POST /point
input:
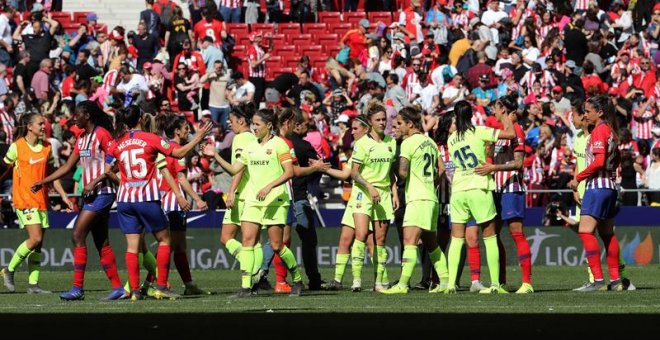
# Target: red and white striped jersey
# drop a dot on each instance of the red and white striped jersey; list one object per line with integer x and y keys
{"x": 92, "y": 149}
{"x": 193, "y": 173}
{"x": 230, "y": 3}
{"x": 581, "y": 5}
{"x": 255, "y": 53}
{"x": 546, "y": 80}
{"x": 136, "y": 153}
{"x": 504, "y": 152}
{"x": 110, "y": 79}
{"x": 410, "y": 80}
{"x": 644, "y": 124}
{"x": 461, "y": 20}
{"x": 478, "y": 118}
{"x": 601, "y": 140}
{"x": 8, "y": 123}
{"x": 617, "y": 67}
{"x": 174, "y": 167}
{"x": 631, "y": 147}
{"x": 535, "y": 174}
{"x": 545, "y": 29}
{"x": 444, "y": 189}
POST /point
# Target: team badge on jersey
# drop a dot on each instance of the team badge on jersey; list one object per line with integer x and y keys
{"x": 269, "y": 151}
{"x": 164, "y": 144}
{"x": 389, "y": 148}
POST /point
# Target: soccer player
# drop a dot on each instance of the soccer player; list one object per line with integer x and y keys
{"x": 374, "y": 196}
{"x": 31, "y": 158}
{"x": 269, "y": 163}
{"x": 174, "y": 202}
{"x": 599, "y": 202}
{"x": 508, "y": 158}
{"x": 419, "y": 167}
{"x": 138, "y": 197}
{"x": 91, "y": 149}
{"x": 471, "y": 194}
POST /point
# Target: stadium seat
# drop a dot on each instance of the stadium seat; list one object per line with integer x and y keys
{"x": 80, "y": 17}
{"x": 304, "y": 49}
{"x": 341, "y": 29}
{"x": 233, "y": 28}
{"x": 279, "y": 39}
{"x": 64, "y": 18}
{"x": 327, "y": 39}
{"x": 385, "y": 17}
{"x": 274, "y": 62}
{"x": 300, "y": 39}
{"x": 102, "y": 28}
{"x": 240, "y": 49}
{"x": 354, "y": 17}
{"x": 265, "y": 28}
{"x": 284, "y": 48}
{"x": 315, "y": 29}
{"x": 319, "y": 63}
{"x": 288, "y": 28}
{"x": 330, "y": 18}
{"x": 70, "y": 28}
{"x": 242, "y": 39}
{"x": 281, "y": 70}
{"x": 286, "y": 55}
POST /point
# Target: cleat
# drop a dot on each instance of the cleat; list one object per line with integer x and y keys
{"x": 439, "y": 289}
{"x": 282, "y": 288}
{"x": 242, "y": 293}
{"x": 116, "y": 294}
{"x": 525, "y": 288}
{"x": 75, "y": 294}
{"x": 35, "y": 289}
{"x": 396, "y": 289}
{"x": 379, "y": 288}
{"x": 616, "y": 286}
{"x": 357, "y": 286}
{"x": 627, "y": 285}
{"x": 296, "y": 289}
{"x": 583, "y": 287}
{"x": 165, "y": 293}
{"x": 334, "y": 285}
{"x": 592, "y": 287}
{"x": 423, "y": 285}
{"x": 260, "y": 281}
{"x": 9, "y": 279}
{"x": 450, "y": 290}
{"x": 476, "y": 287}
{"x": 495, "y": 289}
{"x": 320, "y": 285}
{"x": 137, "y": 295}
{"x": 192, "y": 289}
{"x": 263, "y": 284}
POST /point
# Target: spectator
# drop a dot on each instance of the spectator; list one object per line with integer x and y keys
{"x": 475, "y": 72}
{"x": 209, "y": 27}
{"x": 294, "y": 96}
{"x": 36, "y": 44}
{"x": 242, "y": 91}
{"x": 146, "y": 44}
{"x": 190, "y": 58}
{"x": 150, "y": 18}
{"x": 218, "y": 79}
{"x": 257, "y": 56}
{"x": 131, "y": 86}
{"x": 40, "y": 81}
{"x": 183, "y": 88}
{"x": 653, "y": 178}
{"x": 6, "y": 40}
{"x": 230, "y": 10}
{"x": 176, "y": 34}
{"x": 278, "y": 87}
{"x": 356, "y": 39}
{"x": 84, "y": 70}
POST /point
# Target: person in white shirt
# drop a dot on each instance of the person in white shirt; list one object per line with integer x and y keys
{"x": 492, "y": 17}
{"x": 455, "y": 92}
{"x": 243, "y": 90}
{"x": 428, "y": 98}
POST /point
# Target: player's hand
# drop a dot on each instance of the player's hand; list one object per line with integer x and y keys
{"x": 395, "y": 202}
{"x": 68, "y": 203}
{"x": 577, "y": 198}
{"x": 183, "y": 203}
{"x": 201, "y": 205}
{"x": 89, "y": 189}
{"x": 36, "y": 187}
{"x": 261, "y": 195}
{"x": 203, "y": 131}
{"x": 209, "y": 150}
{"x": 319, "y": 165}
{"x": 573, "y": 184}
{"x": 484, "y": 169}
{"x": 375, "y": 196}
{"x": 230, "y": 200}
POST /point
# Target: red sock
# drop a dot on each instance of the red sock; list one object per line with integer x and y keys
{"x": 79, "y": 264}
{"x": 524, "y": 256}
{"x": 502, "y": 253}
{"x": 612, "y": 247}
{"x": 109, "y": 264}
{"x": 133, "y": 268}
{"x": 280, "y": 268}
{"x": 474, "y": 260}
{"x": 593, "y": 254}
{"x": 182, "y": 266}
{"x": 163, "y": 261}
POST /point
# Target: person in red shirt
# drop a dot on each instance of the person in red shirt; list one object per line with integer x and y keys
{"x": 211, "y": 27}
{"x": 189, "y": 57}
{"x": 356, "y": 39}
{"x": 69, "y": 82}
{"x": 646, "y": 79}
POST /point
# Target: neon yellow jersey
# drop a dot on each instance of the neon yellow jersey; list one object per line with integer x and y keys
{"x": 240, "y": 143}
{"x": 376, "y": 159}
{"x": 264, "y": 162}
{"x": 580, "y": 149}
{"x": 467, "y": 153}
{"x": 422, "y": 154}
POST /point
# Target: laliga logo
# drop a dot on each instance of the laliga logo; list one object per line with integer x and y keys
{"x": 536, "y": 240}
{"x": 636, "y": 251}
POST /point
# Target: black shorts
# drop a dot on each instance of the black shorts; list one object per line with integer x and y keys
{"x": 177, "y": 220}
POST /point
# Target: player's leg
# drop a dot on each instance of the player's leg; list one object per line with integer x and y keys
{"x": 411, "y": 236}
{"x": 454, "y": 253}
{"x": 133, "y": 241}
{"x": 473, "y": 255}
{"x": 36, "y": 234}
{"x": 595, "y": 208}
{"x": 611, "y": 244}
{"x": 230, "y": 225}
{"x": 153, "y": 218}
{"x": 281, "y": 286}
{"x": 362, "y": 222}
{"x": 380, "y": 236}
{"x": 498, "y": 200}
{"x": 276, "y": 237}
{"x": 107, "y": 256}
{"x": 341, "y": 258}
{"x": 524, "y": 254}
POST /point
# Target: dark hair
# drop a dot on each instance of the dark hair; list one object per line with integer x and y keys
{"x": 96, "y": 114}
{"x": 364, "y": 121}
{"x": 237, "y": 75}
{"x": 393, "y": 77}
{"x": 126, "y": 118}
{"x": 268, "y": 116}
{"x": 603, "y": 103}
{"x": 510, "y": 102}
{"x": 167, "y": 124}
{"x": 442, "y": 133}
{"x": 463, "y": 113}
{"x": 23, "y": 123}
{"x": 373, "y": 108}
{"x": 245, "y": 111}
{"x": 578, "y": 103}
{"x": 413, "y": 115}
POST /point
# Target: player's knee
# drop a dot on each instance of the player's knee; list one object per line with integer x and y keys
{"x": 276, "y": 245}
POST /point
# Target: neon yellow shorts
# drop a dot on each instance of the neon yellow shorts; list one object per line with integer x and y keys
{"x": 581, "y": 189}
{"x": 422, "y": 214}
{"x": 361, "y": 203}
{"x": 233, "y": 215}
{"x": 32, "y": 216}
{"x": 265, "y": 215}
{"x": 474, "y": 204}
{"x": 347, "y": 219}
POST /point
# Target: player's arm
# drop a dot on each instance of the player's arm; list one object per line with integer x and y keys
{"x": 394, "y": 190}
{"x": 441, "y": 171}
{"x": 516, "y": 164}
{"x": 60, "y": 190}
{"x": 232, "y": 169}
{"x": 509, "y": 132}
{"x": 181, "y": 199}
{"x": 198, "y": 138}
{"x": 357, "y": 178}
{"x": 343, "y": 174}
{"x": 404, "y": 167}
{"x": 235, "y": 181}
{"x": 8, "y": 162}
{"x": 189, "y": 190}
{"x": 58, "y": 173}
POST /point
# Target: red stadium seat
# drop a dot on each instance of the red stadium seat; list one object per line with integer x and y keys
{"x": 300, "y": 39}
{"x": 265, "y": 28}
{"x": 304, "y": 49}
{"x": 385, "y": 17}
{"x": 320, "y": 63}
{"x": 286, "y": 55}
{"x": 64, "y": 18}
{"x": 240, "y": 49}
{"x": 288, "y": 28}
{"x": 330, "y": 18}
{"x": 80, "y": 17}
{"x": 274, "y": 62}
{"x": 101, "y": 28}
{"x": 242, "y": 39}
{"x": 327, "y": 39}
{"x": 70, "y": 28}
{"x": 285, "y": 48}
{"x": 354, "y": 17}
{"x": 279, "y": 39}
{"x": 315, "y": 29}
{"x": 341, "y": 29}
{"x": 281, "y": 70}
{"x": 233, "y": 28}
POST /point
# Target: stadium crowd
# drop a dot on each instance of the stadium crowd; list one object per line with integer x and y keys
{"x": 538, "y": 60}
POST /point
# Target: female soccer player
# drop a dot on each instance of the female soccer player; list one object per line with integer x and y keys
{"x": 507, "y": 168}
{"x": 138, "y": 198}
{"x": 419, "y": 167}
{"x": 30, "y": 156}
{"x": 174, "y": 202}
{"x": 270, "y": 166}
{"x": 471, "y": 194}
{"x": 91, "y": 149}
{"x": 371, "y": 199}
{"x": 599, "y": 202}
